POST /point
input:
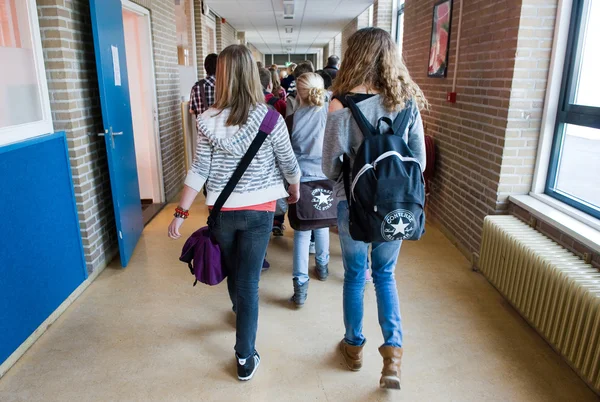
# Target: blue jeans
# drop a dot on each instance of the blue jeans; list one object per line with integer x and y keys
{"x": 301, "y": 248}
{"x": 243, "y": 237}
{"x": 383, "y": 264}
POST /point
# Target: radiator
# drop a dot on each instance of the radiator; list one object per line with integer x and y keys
{"x": 553, "y": 289}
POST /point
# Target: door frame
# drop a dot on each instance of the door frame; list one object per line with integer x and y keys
{"x": 159, "y": 173}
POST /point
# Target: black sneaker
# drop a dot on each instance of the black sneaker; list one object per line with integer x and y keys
{"x": 247, "y": 367}
{"x": 278, "y": 229}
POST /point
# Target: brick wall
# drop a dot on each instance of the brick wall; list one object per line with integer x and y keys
{"x": 337, "y": 46}
{"x": 257, "y": 54}
{"x": 382, "y": 14}
{"x": 474, "y": 136}
{"x": 226, "y": 35}
{"x": 67, "y": 42}
{"x": 527, "y": 96}
{"x": 362, "y": 21}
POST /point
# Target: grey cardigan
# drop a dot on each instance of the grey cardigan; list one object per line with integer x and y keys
{"x": 342, "y": 136}
{"x": 307, "y": 140}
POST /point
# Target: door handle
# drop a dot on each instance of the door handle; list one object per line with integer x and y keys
{"x": 111, "y": 134}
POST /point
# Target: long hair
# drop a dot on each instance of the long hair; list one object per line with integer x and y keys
{"x": 238, "y": 84}
{"x": 275, "y": 80}
{"x": 372, "y": 59}
{"x": 311, "y": 89}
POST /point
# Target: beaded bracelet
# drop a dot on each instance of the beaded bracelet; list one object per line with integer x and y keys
{"x": 181, "y": 213}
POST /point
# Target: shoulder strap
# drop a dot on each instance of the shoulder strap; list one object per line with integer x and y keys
{"x": 266, "y": 127}
{"x": 289, "y": 122}
{"x": 202, "y": 82}
{"x": 403, "y": 118}
{"x": 365, "y": 126}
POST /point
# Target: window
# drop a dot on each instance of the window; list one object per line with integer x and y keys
{"x": 400, "y": 25}
{"x": 574, "y": 171}
{"x": 24, "y": 102}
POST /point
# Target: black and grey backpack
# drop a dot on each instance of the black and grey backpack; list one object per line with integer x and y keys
{"x": 387, "y": 194}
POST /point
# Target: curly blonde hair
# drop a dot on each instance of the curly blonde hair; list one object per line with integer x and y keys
{"x": 311, "y": 89}
{"x": 372, "y": 60}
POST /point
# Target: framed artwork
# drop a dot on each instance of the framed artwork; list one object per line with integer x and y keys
{"x": 440, "y": 39}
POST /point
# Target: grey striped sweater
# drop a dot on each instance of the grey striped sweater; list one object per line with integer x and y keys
{"x": 220, "y": 149}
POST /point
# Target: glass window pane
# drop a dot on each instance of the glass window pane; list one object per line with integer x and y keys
{"x": 588, "y": 84}
{"x": 183, "y": 25}
{"x": 280, "y": 59}
{"x": 297, "y": 58}
{"x": 579, "y": 165}
{"x": 18, "y": 75}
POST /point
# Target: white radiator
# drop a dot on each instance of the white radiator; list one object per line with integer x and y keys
{"x": 553, "y": 289}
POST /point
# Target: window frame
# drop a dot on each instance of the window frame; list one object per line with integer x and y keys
{"x": 399, "y": 14}
{"x": 22, "y": 132}
{"x": 569, "y": 113}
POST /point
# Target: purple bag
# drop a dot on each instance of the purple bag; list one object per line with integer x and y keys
{"x": 203, "y": 256}
{"x": 201, "y": 251}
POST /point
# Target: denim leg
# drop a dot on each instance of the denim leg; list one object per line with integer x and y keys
{"x": 301, "y": 246}
{"x": 322, "y": 245}
{"x": 225, "y": 234}
{"x": 252, "y": 242}
{"x": 383, "y": 262}
{"x": 354, "y": 255}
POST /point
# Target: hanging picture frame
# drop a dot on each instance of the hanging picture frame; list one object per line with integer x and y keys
{"x": 440, "y": 39}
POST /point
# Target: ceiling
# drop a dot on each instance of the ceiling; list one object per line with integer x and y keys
{"x": 315, "y": 22}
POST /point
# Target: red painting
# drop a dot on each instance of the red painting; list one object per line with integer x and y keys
{"x": 440, "y": 39}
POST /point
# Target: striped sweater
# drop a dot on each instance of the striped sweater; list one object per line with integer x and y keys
{"x": 220, "y": 149}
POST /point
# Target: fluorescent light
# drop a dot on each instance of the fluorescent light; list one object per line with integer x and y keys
{"x": 288, "y": 9}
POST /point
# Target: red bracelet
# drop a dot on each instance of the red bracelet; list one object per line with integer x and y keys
{"x": 181, "y": 213}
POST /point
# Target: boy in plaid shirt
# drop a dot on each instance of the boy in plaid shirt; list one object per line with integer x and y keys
{"x": 203, "y": 92}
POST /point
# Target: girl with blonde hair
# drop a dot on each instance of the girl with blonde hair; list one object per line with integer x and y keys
{"x": 243, "y": 227}
{"x": 375, "y": 78}
{"x": 307, "y": 127}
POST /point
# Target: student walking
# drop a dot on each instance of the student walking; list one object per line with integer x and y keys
{"x": 203, "y": 92}
{"x": 243, "y": 227}
{"x": 307, "y": 127}
{"x": 377, "y": 81}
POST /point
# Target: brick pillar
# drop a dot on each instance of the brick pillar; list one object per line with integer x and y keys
{"x": 382, "y": 14}
{"x": 201, "y": 52}
{"x": 362, "y": 21}
{"x": 527, "y": 95}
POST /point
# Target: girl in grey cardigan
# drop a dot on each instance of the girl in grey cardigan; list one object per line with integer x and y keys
{"x": 375, "y": 77}
{"x": 306, "y": 131}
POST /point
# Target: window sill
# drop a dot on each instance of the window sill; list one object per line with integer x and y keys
{"x": 581, "y": 227}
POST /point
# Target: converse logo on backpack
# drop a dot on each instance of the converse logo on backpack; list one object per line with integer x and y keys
{"x": 398, "y": 225}
{"x": 322, "y": 199}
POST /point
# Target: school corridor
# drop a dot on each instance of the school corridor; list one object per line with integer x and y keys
{"x": 145, "y": 334}
{"x": 99, "y": 101}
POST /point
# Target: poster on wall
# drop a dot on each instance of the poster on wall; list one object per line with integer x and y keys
{"x": 440, "y": 39}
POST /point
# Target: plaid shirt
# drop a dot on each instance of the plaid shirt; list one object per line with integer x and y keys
{"x": 197, "y": 104}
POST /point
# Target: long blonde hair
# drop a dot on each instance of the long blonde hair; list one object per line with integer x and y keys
{"x": 372, "y": 60}
{"x": 275, "y": 80}
{"x": 311, "y": 89}
{"x": 238, "y": 84}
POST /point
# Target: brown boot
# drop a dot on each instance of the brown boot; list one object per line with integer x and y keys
{"x": 390, "y": 375}
{"x": 352, "y": 355}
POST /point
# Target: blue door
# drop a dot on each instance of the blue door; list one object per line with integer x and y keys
{"x": 109, "y": 43}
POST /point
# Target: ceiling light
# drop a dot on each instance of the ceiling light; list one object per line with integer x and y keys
{"x": 288, "y": 9}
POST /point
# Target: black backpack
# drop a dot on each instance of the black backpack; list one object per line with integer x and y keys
{"x": 387, "y": 195}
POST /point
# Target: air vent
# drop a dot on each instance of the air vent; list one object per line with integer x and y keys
{"x": 289, "y": 29}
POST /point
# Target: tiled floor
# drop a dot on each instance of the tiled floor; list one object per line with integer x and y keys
{"x": 145, "y": 334}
